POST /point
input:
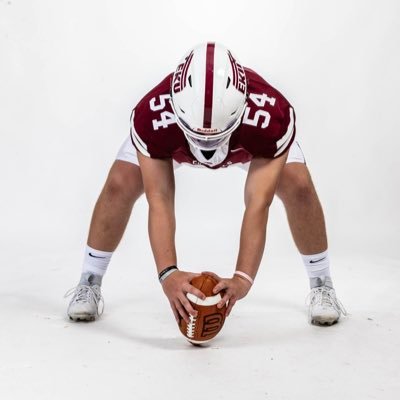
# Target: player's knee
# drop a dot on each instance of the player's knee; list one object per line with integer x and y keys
{"x": 303, "y": 190}
{"x": 121, "y": 186}
{"x": 296, "y": 187}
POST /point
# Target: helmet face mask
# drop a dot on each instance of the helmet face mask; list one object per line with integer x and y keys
{"x": 208, "y": 95}
{"x": 211, "y": 141}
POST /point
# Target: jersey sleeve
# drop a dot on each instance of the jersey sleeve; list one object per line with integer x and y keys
{"x": 269, "y": 123}
{"x": 152, "y": 127}
{"x": 288, "y": 132}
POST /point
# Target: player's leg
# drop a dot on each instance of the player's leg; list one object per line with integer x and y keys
{"x": 307, "y": 224}
{"x": 111, "y": 214}
{"x": 113, "y": 208}
{"x": 303, "y": 209}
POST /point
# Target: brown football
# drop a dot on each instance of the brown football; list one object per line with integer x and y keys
{"x": 210, "y": 319}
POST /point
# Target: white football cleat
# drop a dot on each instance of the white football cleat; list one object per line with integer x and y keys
{"x": 87, "y": 303}
{"x": 324, "y": 307}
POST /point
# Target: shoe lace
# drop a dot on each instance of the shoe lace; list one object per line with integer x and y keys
{"x": 325, "y": 296}
{"x": 85, "y": 293}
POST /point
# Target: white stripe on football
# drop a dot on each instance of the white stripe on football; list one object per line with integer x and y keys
{"x": 209, "y": 301}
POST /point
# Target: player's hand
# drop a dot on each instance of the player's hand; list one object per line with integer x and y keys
{"x": 176, "y": 286}
{"x": 234, "y": 289}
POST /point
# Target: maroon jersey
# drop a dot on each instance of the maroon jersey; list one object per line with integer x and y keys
{"x": 267, "y": 128}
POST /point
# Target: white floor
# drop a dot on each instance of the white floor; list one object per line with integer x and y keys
{"x": 267, "y": 350}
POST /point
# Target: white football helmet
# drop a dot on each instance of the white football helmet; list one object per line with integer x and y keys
{"x": 208, "y": 95}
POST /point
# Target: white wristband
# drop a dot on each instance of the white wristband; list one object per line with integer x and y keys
{"x": 245, "y": 276}
{"x": 167, "y": 274}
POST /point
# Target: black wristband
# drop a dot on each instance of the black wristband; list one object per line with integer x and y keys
{"x": 165, "y": 271}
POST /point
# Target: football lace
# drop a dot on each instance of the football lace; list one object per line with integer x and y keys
{"x": 190, "y": 328}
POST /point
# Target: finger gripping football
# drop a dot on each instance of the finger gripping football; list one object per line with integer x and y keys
{"x": 210, "y": 319}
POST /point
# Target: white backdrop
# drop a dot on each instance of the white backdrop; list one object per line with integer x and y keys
{"x": 70, "y": 73}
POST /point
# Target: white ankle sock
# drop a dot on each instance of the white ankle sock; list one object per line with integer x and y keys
{"x": 96, "y": 261}
{"x": 317, "y": 267}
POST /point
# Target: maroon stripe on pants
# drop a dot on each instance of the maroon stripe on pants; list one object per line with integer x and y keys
{"x": 208, "y": 95}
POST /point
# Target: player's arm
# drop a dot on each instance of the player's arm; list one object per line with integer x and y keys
{"x": 261, "y": 183}
{"x": 159, "y": 186}
{"x": 260, "y": 188}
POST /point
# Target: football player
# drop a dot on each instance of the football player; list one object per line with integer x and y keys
{"x": 210, "y": 113}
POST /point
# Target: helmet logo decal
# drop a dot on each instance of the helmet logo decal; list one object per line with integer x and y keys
{"x": 179, "y": 82}
{"x": 239, "y": 76}
{"x": 207, "y": 131}
{"x": 208, "y": 95}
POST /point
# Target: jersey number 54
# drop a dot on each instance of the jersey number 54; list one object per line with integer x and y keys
{"x": 260, "y": 116}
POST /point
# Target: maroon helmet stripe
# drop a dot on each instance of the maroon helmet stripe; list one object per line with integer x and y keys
{"x": 208, "y": 95}
{"x": 186, "y": 67}
{"x": 234, "y": 70}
